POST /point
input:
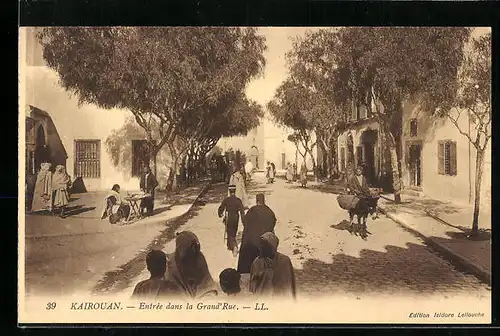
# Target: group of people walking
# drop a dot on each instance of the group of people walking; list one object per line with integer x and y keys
{"x": 52, "y": 190}
{"x": 185, "y": 272}
{"x": 291, "y": 173}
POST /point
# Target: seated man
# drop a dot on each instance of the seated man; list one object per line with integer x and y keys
{"x": 114, "y": 208}
{"x": 272, "y": 273}
{"x": 156, "y": 262}
{"x": 229, "y": 280}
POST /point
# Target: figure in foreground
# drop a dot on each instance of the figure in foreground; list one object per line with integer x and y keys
{"x": 258, "y": 220}
{"x": 156, "y": 262}
{"x": 187, "y": 270}
{"x": 272, "y": 272}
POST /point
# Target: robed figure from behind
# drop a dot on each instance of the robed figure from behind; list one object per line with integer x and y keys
{"x": 148, "y": 184}
{"x": 272, "y": 272}
{"x": 187, "y": 272}
{"x": 258, "y": 220}
{"x": 232, "y": 209}
{"x": 238, "y": 180}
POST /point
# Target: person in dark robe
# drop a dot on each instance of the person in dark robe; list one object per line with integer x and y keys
{"x": 232, "y": 209}
{"x": 156, "y": 262}
{"x": 187, "y": 270}
{"x": 272, "y": 273}
{"x": 148, "y": 184}
{"x": 273, "y": 172}
{"x": 258, "y": 220}
{"x": 229, "y": 280}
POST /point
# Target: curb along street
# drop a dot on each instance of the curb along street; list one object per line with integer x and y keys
{"x": 452, "y": 256}
{"x": 124, "y": 227}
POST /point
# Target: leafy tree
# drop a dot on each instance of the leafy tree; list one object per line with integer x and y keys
{"x": 291, "y": 107}
{"x": 382, "y": 68}
{"x": 161, "y": 75}
{"x": 474, "y": 98}
{"x": 310, "y": 62}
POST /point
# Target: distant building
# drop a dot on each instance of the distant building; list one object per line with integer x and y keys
{"x": 75, "y": 135}
{"x": 267, "y": 142}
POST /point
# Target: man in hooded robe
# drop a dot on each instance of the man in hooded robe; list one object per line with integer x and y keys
{"x": 258, "y": 220}
{"x": 42, "y": 197}
{"x": 60, "y": 185}
{"x": 289, "y": 173}
{"x": 187, "y": 270}
{"x": 272, "y": 273}
{"x": 303, "y": 174}
{"x": 238, "y": 180}
{"x": 156, "y": 262}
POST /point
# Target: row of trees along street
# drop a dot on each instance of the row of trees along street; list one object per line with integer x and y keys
{"x": 185, "y": 87}
{"x": 333, "y": 70}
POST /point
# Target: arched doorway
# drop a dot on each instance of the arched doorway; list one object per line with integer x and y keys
{"x": 42, "y": 150}
{"x": 254, "y": 156}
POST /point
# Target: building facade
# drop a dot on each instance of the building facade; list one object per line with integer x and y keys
{"x": 77, "y": 135}
{"x": 362, "y": 144}
{"x": 267, "y": 142}
{"x": 438, "y": 160}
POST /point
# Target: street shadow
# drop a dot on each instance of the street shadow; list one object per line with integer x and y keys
{"x": 482, "y": 235}
{"x": 121, "y": 278}
{"x": 76, "y": 210}
{"x": 396, "y": 270}
{"x": 355, "y": 229}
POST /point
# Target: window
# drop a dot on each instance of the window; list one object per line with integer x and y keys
{"x": 447, "y": 158}
{"x": 413, "y": 127}
{"x": 342, "y": 158}
{"x": 88, "y": 158}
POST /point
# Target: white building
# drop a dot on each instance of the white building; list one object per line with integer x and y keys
{"x": 51, "y": 112}
{"x": 268, "y": 142}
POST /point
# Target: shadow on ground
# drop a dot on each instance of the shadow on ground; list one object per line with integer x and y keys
{"x": 394, "y": 271}
{"x": 355, "y": 229}
{"x": 121, "y": 278}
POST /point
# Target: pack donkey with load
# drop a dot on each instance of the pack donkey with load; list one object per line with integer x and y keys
{"x": 360, "y": 200}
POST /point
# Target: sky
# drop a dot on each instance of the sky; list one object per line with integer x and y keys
{"x": 279, "y": 42}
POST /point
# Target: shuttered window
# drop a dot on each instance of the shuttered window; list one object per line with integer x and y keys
{"x": 447, "y": 158}
{"x": 88, "y": 158}
{"x": 362, "y": 112}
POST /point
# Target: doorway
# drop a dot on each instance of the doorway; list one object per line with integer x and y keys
{"x": 415, "y": 164}
{"x": 370, "y": 164}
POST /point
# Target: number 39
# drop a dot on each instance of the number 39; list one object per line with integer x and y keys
{"x": 51, "y": 305}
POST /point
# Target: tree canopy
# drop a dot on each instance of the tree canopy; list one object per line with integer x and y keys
{"x": 167, "y": 77}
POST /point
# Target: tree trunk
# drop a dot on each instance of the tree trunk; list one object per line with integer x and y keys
{"x": 396, "y": 177}
{"x": 477, "y": 190}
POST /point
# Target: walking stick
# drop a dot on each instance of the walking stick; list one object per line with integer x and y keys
{"x": 224, "y": 220}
